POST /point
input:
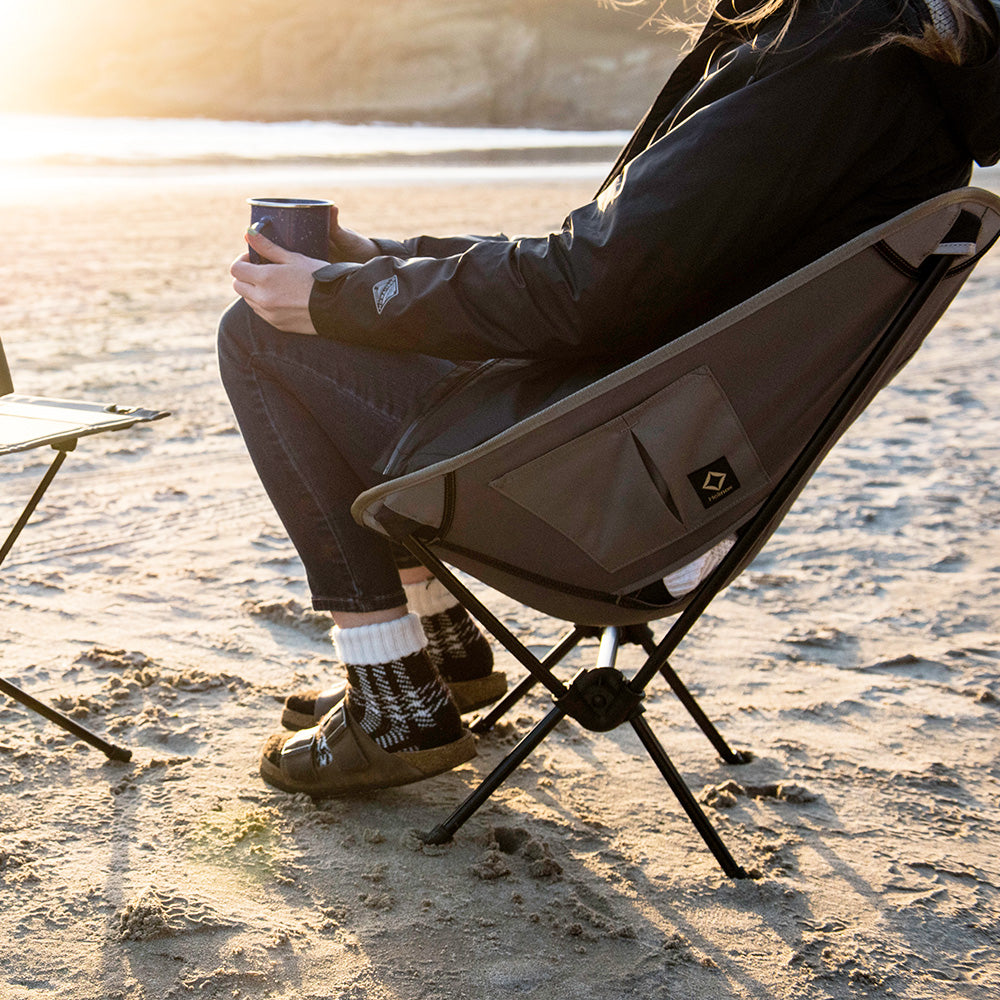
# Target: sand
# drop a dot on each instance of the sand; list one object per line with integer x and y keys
{"x": 155, "y": 597}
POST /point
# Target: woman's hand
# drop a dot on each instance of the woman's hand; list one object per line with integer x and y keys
{"x": 347, "y": 245}
{"x": 277, "y": 292}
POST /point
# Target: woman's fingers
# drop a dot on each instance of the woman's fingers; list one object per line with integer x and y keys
{"x": 242, "y": 269}
{"x": 266, "y": 248}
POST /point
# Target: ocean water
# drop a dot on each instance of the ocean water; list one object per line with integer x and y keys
{"x": 41, "y": 153}
{"x": 47, "y": 155}
{"x": 33, "y": 140}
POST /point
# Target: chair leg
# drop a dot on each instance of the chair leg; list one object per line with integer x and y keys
{"x": 599, "y": 699}
{"x": 643, "y": 636}
{"x": 444, "y": 832}
{"x": 567, "y": 643}
{"x": 687, "y": 800}
{"x": 485, "y": 723}
{"x": 704, "y": 723}
{"x": 29, "y": 508}
{"x": 108, "y": 749}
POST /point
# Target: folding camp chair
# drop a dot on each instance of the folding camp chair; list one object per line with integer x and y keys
{"x": 580, "y": 509}
{"x": 33, "y": 421}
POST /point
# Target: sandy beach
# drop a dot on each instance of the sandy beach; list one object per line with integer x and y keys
{"x": 156, "y": 598}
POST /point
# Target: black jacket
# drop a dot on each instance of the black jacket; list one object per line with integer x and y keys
{"x": 752, "y": 162}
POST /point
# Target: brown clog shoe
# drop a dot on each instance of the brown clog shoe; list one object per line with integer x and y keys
{"x": 338, "y": 758}
{"x": 305, "y": 709}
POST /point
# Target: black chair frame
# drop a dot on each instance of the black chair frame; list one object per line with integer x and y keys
{"x": 77, "y": 419}
{"x": 602, "y": 698}
{"x": 110, "y": 750}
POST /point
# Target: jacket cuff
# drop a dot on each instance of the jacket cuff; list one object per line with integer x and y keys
{"x": 331, "y": 272}
{"x": 326, "y": 282}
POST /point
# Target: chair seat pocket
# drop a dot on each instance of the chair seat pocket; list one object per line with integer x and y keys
{"x": 645, "y": 477}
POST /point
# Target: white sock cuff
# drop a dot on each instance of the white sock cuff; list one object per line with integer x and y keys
{"x": 428, "y": 597}
{"x": 384, "y": 642}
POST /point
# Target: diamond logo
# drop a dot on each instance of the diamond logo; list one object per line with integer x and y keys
{"x": 714, "y": 482}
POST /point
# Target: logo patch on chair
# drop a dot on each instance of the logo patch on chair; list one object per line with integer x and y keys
{"x": 714, "y": 482}
{"x": 384, "y": 291}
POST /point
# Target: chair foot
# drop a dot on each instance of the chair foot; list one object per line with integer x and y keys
{"x": 439, "y": 835}
{"x": 109, "y": 750}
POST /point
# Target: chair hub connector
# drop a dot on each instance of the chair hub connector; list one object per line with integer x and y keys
{"x": 600, "y": 699}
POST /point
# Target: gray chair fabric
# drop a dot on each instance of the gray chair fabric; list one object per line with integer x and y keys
{"x": 613, "y": 480}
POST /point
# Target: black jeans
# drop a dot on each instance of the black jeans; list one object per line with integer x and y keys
{"x": 316, "y": 415}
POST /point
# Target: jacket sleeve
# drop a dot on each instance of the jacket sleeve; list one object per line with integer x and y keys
{"x": 430, "y": 246}
{"x": 713, "y": 199}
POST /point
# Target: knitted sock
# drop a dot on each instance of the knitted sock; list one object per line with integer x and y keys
{"x": 394, "y": 693}
{"x": 455, "y": 645}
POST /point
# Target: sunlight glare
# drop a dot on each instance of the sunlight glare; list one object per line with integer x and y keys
{"x": 36, "y": 40}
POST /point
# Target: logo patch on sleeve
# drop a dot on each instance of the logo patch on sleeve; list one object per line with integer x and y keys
{"x": 384, "y": 291}
{"x": 714, "y": 482}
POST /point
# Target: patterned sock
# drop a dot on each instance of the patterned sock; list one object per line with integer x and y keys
{"x": 394, "y": 693}
{"x": 455, "y": 645}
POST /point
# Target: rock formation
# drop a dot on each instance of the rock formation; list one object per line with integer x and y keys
{"x": 555, "y": 63}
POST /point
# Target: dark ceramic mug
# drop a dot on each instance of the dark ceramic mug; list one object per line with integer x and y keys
{"x": 301, "y": 225}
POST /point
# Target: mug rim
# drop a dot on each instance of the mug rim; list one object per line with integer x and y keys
{"x": 289, "y": 202}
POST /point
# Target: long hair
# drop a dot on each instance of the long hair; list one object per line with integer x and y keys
{"x": 970, "y": 41}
